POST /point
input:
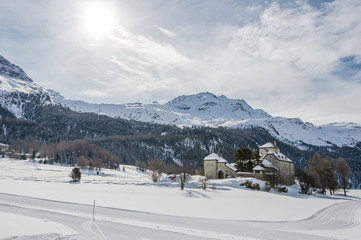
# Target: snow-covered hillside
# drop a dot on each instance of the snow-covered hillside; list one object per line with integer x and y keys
{"x": 202, "y": 109}
{"x": 207, "y": 109}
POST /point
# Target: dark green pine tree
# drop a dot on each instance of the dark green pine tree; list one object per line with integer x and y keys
{"x": 75, "y": 174}
{"x": 243, "y": 159}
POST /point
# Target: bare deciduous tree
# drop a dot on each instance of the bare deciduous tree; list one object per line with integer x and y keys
{"x": 157, "y": 168}
{"x": 203, "y": 182}
{"x": 67, "y": 152}
{"x": 141, "y": 166}
{"x": 323, "y": 171}
{"x": 343, "y": 171}
{"x": 183, "y": 178}
{"x": 172, "y": 168}
{"x": 82, "y": 162}
{"x": 97, "y": 163}
{"x": 199, "y": 171}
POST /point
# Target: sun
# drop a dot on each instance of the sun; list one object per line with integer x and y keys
{"x": 98, "y": 20}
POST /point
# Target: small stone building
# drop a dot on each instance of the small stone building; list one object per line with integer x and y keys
{"x": 272, "y": 161}
{"x": 217, "y": 167}
{"x": 276, "y": 163}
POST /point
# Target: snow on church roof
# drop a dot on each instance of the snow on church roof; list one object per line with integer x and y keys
{"x": 214, "y": 156}
{"x": 279, "y": 156}
{"x": 258, "y": 168}
{"x": 267, "y": 145}
{"x": 268, "y": 164}
{"x": 232, "y": 167}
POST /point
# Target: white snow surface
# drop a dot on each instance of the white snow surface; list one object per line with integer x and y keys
{"x": 130, "y": 206}
{"x": 16, "y": 224}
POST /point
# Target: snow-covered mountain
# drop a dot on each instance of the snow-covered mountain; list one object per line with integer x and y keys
{"x": 202, "y": 109}
{"x": 18, "y": 90}
{"x": 298, "y": 133}
{"x": 207, "y": 109}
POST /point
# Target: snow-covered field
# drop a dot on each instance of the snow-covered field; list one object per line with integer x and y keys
{"x": 37, "y": 201}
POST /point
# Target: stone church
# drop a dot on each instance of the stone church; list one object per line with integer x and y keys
{"x": 272, "y": 161}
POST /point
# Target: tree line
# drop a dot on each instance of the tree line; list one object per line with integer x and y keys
{"x": 324, "y": 173}
{"x": 131, "y": 141}
{"x": 79, "y": 152}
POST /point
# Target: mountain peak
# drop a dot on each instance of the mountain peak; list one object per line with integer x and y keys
{"x": 194, "y": 97}
{"x": 207, "y": 106}
{"x": 8, "y": 69}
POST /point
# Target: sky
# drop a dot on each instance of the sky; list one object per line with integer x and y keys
{"x": 289, "y": 58}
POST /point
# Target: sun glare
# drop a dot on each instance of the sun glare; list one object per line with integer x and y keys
{"x": 98, "y": 20}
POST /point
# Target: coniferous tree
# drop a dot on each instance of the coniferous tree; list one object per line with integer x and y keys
{"x": 306, "y": 181}
{"x": 75, "y": 174}
{"x": 243, "y": 159}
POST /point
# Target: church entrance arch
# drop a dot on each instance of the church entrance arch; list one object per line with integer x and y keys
{"x": 220, "y": 175}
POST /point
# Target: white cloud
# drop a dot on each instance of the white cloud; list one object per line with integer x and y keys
{"x": 167, "y": 32}
{"x": 294, "y": 52}
{"x": 281, "y": 56}
{"x": 145, "y": 68}
{"x": 309, "y": 40}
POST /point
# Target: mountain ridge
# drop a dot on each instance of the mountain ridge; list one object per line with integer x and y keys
{"x": 202, "y": 109}
{"x": 219, "y": 111}
{"x": 11, "y": 70}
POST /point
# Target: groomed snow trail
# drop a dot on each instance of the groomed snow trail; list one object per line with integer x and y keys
{"x": 114, "y": 223}
{"x": 338, "y": 216}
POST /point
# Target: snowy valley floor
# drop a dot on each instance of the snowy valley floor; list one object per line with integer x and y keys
{"x": 37, "y": 201}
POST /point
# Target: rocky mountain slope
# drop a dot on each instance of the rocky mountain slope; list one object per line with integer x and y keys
{"x": 207, "y": 109}
{"x": 19, "y": 93}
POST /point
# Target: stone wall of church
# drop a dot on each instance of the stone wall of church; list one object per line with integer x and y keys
{"x": 226, "y": 170}
{"x": 210, "y": 169}
{"x": 286, "y": 169}
{"x": 287, "y": 173}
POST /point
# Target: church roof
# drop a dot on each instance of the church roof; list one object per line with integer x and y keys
{"x": 279, "y": 156}
{"x": 268, "y": 164}
{"x": 214, "y": 156}
{"x": 211, "y": 156}
{"x": 231, "y": 166}
{"x": 258, "y": 168}
{"x": 267, "y": 145}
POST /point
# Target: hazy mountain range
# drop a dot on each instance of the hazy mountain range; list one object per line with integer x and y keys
{"x": 202, "y": 109}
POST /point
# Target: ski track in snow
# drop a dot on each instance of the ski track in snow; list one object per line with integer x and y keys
{"x": 338, "y": 216}
{"x": 88, "y": 227}
{"x": 112, "y": 223}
